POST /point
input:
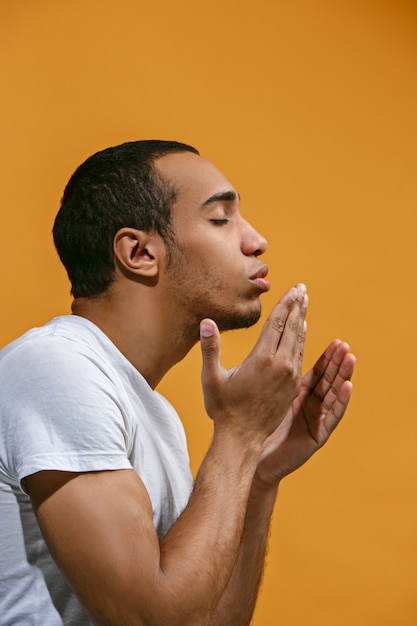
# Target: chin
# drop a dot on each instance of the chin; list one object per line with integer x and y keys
{"x": 233, "y": 321}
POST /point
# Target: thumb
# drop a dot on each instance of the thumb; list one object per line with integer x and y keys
{"x": 210, "y": 350}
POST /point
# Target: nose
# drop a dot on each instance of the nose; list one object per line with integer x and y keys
{"x": 253, "y": 243}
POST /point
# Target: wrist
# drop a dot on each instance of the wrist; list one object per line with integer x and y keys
{"x": 261, "y": 485}
{"x": 236, "y": 437}
{"x": 261, "y": 501}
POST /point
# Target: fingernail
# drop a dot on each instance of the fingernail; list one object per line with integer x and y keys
{"x": 301, "y": 289}
{"x": 206, "y": 329}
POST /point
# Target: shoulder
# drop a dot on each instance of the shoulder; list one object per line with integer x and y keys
{"x": 61, "y": 402}
{"x": 63, "y": 348}
{"x": 58, "y": 375}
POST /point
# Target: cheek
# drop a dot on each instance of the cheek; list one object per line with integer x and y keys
{"x": 209, "y": 281}
{"x": 208, "y": 263}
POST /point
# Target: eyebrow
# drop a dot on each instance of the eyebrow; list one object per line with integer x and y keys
{"x": 223, "y": 196}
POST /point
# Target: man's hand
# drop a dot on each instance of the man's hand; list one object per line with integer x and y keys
{"x": 253, "y": 398}
{"x": 314, "y": 414}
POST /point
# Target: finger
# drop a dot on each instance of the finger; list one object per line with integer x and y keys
{"x": 335, "y": 402}
{"x": 273, "y": 328}
{"x": 332, "y": 418}
{"x": 301, "y": 352}
{"x": 292, "y": 339}
{"x": 330, "y": 380}
{"x": 313, "y": 376}
{"x": 210, "y": 350}
{"x": 343, "y": 375}
{"x": 302, "y": 332}
{"x": 298, "y": 343}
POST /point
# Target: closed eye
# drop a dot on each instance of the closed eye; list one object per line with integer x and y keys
{"x": 220, "y": 222}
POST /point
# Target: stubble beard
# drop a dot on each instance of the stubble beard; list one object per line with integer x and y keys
{"x": 234, "y": 321}
{"x": 203, "y": 307}
{"x": 226, "y": 319}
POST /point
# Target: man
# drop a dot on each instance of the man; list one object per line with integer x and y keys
{"x": 101, "y": 521}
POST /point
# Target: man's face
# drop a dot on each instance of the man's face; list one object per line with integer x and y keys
{"x": 214, "y": 270}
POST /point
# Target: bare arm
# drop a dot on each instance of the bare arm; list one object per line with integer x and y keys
{"x": 99, "y": 527}
{"x": 315, "y": 413}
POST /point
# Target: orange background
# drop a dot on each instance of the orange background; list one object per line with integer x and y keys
{"x": 310, "y": 108}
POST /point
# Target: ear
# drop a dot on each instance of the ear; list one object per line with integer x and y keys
{"x": 138, "y": 252}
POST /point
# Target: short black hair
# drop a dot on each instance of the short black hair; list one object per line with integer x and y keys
{"x": 115, "y": 188}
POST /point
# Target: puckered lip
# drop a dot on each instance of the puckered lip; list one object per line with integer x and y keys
{"x": 261, "y": 273}
{"x": 259, "y": 279}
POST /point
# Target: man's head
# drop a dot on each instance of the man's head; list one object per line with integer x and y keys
{"x": 115, "y": 188}
{"x": 157, "y": 214}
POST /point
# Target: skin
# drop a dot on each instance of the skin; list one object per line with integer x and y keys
{"x": 209, "y": 226}
{"x": 267, "y": 419}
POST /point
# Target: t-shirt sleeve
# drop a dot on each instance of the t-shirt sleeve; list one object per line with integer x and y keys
{"x": 62, "y": 410}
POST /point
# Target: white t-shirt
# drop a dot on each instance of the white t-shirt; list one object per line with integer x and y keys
{"x": 70, "y": 401}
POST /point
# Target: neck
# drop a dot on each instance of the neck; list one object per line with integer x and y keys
{"x": 145, "y": 331}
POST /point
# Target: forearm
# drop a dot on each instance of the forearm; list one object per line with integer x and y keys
{"x": 238, "y": 601}
{"x": 199, "y": 554}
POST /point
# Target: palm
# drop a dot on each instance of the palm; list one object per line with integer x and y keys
{"x": 314, "y": 414}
